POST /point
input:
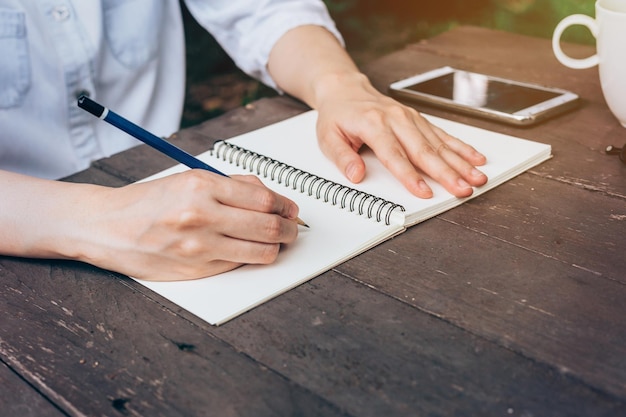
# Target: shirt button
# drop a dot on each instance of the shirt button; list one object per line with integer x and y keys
{"x": 60, "y": 13}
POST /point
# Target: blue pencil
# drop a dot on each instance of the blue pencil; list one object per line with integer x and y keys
{"x": 148, "y": 138}
{"x": 143, "y": 135}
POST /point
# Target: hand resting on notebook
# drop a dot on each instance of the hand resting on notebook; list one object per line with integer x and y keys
{"x": 402, "y": 139}
{"x": 352, "y": 113}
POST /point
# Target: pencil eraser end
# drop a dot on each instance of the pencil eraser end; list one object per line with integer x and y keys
{"x": 91, "y": 106}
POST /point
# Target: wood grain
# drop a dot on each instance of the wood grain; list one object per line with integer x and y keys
{"x": 20, "y": 399}
{"x": 94, "y": 346}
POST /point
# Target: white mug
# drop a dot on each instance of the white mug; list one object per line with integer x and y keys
{"x": 609, "y": 29}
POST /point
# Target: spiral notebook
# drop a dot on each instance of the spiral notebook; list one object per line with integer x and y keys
{"x": 345, "y": 219}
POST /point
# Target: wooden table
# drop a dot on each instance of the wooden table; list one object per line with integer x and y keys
{"x": 513, "y": 304}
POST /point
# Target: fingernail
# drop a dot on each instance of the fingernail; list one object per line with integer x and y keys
{"x": 293, "y": 211}
{"x": 463, "y": 184}
{"x": 477, "y": 173}
{"x": 351, "y": 171}
{"x": 423, "y": 186}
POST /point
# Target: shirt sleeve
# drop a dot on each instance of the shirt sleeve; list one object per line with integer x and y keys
{"x": 248, "y": 29}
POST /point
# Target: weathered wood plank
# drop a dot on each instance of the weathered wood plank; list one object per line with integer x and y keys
{"x": 20, "y": 399}
{"x": 94, "y": 347}
{"x": 375, "y": 355}
{"x": 541, "y": 305}
{"x": 574, "y": 226}
{"x": 363, "y": 353}
{"x": 253, "y": 116}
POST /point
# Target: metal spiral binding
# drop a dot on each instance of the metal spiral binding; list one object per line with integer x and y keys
{"x": 330, "y": 191}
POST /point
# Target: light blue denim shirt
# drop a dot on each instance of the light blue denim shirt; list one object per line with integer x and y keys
{"x": 127, "y": 54}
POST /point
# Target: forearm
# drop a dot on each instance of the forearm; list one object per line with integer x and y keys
{"x": 308, "y": 62}
{"x": 37, "y": 216}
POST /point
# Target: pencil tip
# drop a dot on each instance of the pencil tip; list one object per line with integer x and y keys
{"x": 302, "y": 223}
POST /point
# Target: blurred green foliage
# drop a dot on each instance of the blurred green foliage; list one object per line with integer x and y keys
{"x": 362, "y": 22}
{"x": 539, "y": 17}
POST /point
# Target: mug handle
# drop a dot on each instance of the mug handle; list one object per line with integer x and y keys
{"x": 575, "y": 19}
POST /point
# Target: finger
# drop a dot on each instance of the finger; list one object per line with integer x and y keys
{"x": 171, "y": 273}
{"x": 248, "y": 242}
{"x": 255, "y": 226}
{"x": 247, "y": 192}
{"x": 343, "y": 154}
{"x": 461, "y": 157}
{"x": 447, "y": 160}
{"x": 466, "y": 151}
{"x": 394, "y": 157}
{"x": 235, "y": 251}
{"x": 206, "y": 252}
{"x": 252, "y": 179}
{"x": 468, "y": 172}
{"x": 429, "y": 153}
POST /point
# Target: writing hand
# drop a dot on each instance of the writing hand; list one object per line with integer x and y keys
{"x": 197, "y": 224}
{"x": 184, "y": 226}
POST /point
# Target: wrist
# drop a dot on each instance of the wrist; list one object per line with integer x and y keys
{"x": 69, "y": 211}
{"x": 332, "y": 85}
{"x": 87, "y": 223}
